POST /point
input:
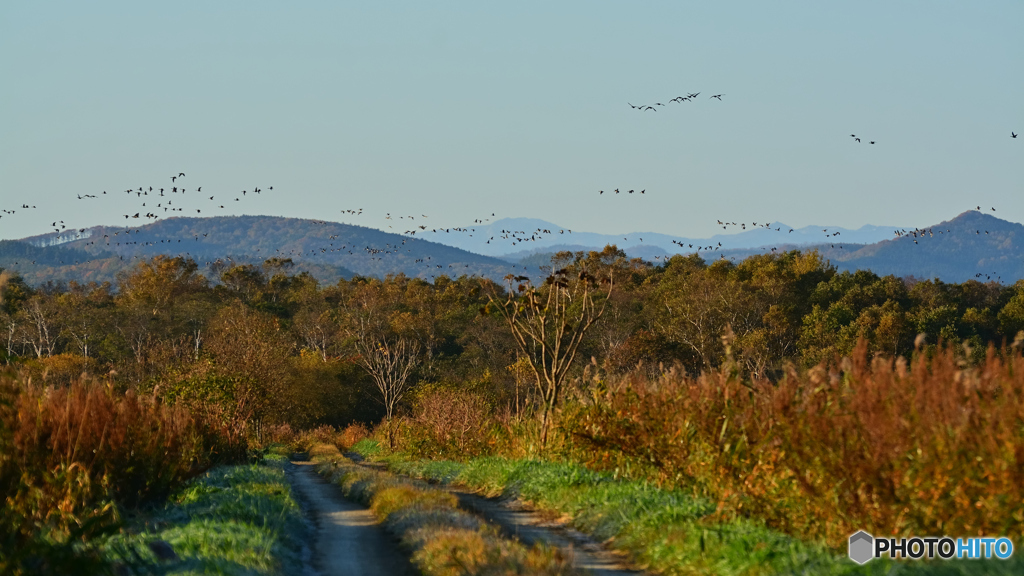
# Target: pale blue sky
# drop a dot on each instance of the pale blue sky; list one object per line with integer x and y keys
{"x": 458, "y": 110}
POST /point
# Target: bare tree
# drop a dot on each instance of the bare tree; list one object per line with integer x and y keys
{"x": 41, "y": 328}
{"x": 548, "y": 324}
{"x": 9, "y": 326}
{"x": 390, "y": 362}
{"x": 316, "y": 329}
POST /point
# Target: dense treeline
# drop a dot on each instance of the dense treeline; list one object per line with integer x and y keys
{"x": 262, "y": 345}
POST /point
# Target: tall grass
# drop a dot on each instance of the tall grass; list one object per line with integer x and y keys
{"x": 931, "y": 446}
{"x": 71, "y": 457}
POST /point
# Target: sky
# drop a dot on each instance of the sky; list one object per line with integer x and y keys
{"x": 460, "y": 110}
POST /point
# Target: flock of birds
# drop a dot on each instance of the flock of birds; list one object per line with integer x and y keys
{"x": 171, "y": 201}
{"x": 166, "y": 196}
{"x": 678, "y": 99}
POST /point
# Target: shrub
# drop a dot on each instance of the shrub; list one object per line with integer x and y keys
{"x": 306, "y": 439}
{"x": 280, "y": 434}
{"x": 60, "y": 369}
{"x": 351, "y": 435}
{"x": 449, "y": 422}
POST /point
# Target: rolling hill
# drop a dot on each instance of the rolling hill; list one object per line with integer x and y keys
{"x": 328, "y": 250}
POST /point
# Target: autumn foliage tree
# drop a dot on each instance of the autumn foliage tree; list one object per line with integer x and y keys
{"x": 251, "y": 349}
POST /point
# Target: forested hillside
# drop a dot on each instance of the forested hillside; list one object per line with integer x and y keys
{"x": 328, "y": 250}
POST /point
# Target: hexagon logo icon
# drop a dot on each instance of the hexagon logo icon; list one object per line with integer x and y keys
{"x": 861, "y": 548}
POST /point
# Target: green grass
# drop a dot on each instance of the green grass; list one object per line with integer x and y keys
{"x": 233, "y": 520}
{"x": 668, "y": 531}
{"x": 367, "y": 447}
{"x": 278, "y": 449}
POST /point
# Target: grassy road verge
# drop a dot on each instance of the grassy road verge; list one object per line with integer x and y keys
{"x": 444, "y": 540}
{"x": 233, "y": 520}
{"x": 665, "y": 531}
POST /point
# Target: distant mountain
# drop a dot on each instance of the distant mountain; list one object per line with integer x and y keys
{"x": 328, "y": 250}
{"x": 516, "y": 238}
{"x": 972, "y": 246}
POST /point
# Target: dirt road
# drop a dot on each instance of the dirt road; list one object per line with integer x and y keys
{"x": 518, "y": 521}
{"x": 349, "y": 540}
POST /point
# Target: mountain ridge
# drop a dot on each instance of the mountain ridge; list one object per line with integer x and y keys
{"x": 972, "y": 245}
{"x": 499, "y": 238}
